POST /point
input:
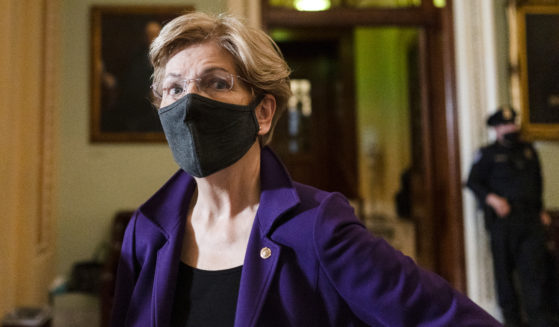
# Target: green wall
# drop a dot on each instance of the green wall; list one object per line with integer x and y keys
{"x": 381, "y": 72}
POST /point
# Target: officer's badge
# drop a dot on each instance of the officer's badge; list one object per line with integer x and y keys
{"x": 528, "y": 153}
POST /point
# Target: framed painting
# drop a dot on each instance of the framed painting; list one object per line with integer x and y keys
{"x": 121, "y": 109}
{"x": 538, "y": 58}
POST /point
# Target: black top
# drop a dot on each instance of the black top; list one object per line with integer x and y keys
{"x": 511, "y": 172}
{"x": 205, "y": 297}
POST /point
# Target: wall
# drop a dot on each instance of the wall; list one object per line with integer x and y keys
{"x": 549, "y": 156}
{"x": 97, "y": 180}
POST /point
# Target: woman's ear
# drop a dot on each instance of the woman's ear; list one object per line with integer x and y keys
{"x": 265, "y": 112}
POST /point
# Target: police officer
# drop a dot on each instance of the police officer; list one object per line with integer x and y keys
{"x": 507, "y": 182}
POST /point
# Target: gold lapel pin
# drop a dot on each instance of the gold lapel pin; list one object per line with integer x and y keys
{"x": 265, "y": 253}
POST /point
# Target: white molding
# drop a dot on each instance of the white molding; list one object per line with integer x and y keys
{"x": 477, "y": 93}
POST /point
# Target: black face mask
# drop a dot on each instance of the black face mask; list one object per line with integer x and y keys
{"x": 205, "y": 135}
{"x": 512, "y": 138}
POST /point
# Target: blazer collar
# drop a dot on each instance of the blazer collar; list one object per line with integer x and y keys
{"x": 169, "y": 205}
{"x": 277, "y": 192}
{"x": 167, "y": 210}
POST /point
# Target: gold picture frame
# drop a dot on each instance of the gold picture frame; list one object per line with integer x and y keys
{"x": 535, "y": 38}
{"x": 121, "y": 109}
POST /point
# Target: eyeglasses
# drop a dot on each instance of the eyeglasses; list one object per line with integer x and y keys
{"x": 213, "y": 83}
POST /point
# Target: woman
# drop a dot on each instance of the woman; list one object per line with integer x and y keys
{"x": 230, "y": 239}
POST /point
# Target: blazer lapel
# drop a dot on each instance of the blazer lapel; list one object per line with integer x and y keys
{"x": 277, "y": 197}
{"x": 260, "y": 263}
{"x": 165, "y": 279}
{"x": 167, "y": 210}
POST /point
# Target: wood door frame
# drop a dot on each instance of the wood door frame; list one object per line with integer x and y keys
{"x": 441, "y": 137}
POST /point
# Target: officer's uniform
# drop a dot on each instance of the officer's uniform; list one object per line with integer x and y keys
{"x": 517, "y": 240}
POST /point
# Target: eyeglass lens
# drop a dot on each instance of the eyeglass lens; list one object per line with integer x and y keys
{"x": 212, "y": 83}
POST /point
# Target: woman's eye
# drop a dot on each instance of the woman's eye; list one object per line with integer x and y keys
{"x": 217, "y": 83}
{"x": 175, "y": 90}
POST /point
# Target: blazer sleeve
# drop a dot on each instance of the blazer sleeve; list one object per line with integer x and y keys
{"x": 379, "y": 283}
{"x": 126, "y": 276}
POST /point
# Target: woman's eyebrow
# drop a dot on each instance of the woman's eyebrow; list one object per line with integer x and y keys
{"x": 172, "y": 75}
{"x": 205, "y": 71}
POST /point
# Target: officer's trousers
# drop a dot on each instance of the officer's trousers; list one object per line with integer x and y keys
{"x": 518, "y": 244}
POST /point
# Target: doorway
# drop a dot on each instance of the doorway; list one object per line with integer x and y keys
{"x": 354, "y": 124}
{"x": 383, "y": 109}
{"x": 320, "y": 120}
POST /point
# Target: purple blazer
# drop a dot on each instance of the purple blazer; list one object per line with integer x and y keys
{"x": 320, "y": 267}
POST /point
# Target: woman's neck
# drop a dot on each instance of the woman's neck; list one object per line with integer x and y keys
{"x": 221, "y": 215}
{"x": 232, "y": 190}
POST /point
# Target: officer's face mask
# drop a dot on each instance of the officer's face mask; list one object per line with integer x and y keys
{"x": 512, "y": 138}
{"x": 205, "y": 135}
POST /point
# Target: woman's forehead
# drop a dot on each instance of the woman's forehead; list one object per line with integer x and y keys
{"x": 196, "y": 58}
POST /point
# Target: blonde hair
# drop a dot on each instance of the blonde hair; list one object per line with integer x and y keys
{"x": 257, "y": 57}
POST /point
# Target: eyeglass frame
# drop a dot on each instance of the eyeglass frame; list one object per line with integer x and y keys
{"x": 197, "y": 81}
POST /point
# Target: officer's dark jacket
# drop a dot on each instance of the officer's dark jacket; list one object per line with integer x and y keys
{"x": 511, "y": 172}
